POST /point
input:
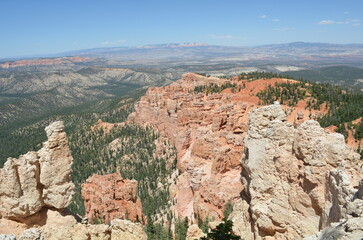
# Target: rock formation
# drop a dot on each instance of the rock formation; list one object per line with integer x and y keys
{"x": 38, "y": 179}
{"x": 65, "y": 227}
{"x": 110, "y": 196}
{"x": 36, "y": 188}
{"x": 296, "y": 181}
{"x": 194, "y": 232}
{"x": 351, "y": 227}
{"x": 207, "y": 131}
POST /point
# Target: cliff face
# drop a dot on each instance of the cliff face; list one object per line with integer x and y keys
{"x": 107, "y": 197}
{"x": 296, "y": 180}
{"x": 38, "y": 179}
{"x": 208, "y": 133}
{"x": 297, "y": 177}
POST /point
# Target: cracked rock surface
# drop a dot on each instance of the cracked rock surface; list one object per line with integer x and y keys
{"x": 38, "y": 179}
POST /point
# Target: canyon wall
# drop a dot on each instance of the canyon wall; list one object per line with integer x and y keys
{"x": 208, "y": 133}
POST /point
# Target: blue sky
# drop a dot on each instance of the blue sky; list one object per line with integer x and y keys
{"x": 31, "y": 27}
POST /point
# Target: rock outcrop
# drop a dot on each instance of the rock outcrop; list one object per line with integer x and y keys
{"x": 207, "y": 132}
{"x": 107, "y": 197}
{"x": 348, "y": 228}
{"x": 194, "y": 232}
{"x": 36, "y": 189}
{"x": 116, "y": 230}
{"x": 296, "y": 181}
{"x": 38, "y": 179}
{"x": 58, "y": 225}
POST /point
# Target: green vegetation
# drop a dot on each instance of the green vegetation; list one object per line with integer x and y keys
{"x": 94, "y": 151}
{"x": 222, "y": 232}
{"x": 286, "y": 93}
{"x": 341, "y": 75}
{"x": 181, "y": 228}
{"x": 358, "y": 134}
{"x": 261, "y": 75}
{"x": 228, "y": 208}
{"x": 343, "y": 106}
{"x": 342, "y": 130}
{"x": 157, "y": 231}
{"x": 203, "y": 224}
{"x": 213, "y": 88}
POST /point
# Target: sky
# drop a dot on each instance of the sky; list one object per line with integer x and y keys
{"x": 31, "y": 27}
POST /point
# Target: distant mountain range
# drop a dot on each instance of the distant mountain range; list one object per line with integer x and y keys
{"x": 303, "y": 54}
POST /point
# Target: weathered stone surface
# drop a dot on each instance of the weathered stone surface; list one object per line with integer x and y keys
{"x": 241, "y": 220}
{"x": 31, "y": 234}
{"x": 7, "y": 237}
{"x": 38, "y": 179}
{"x": 124, "y": 229}
{"x": 59, "y": 226}
{"x": 194, "y": 232}
{"x": 107, "y": 197}
{"x": 351, "y": 227}
{"x": 292, "y": 182}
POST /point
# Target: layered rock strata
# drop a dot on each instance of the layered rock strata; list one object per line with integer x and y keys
{"x": 107, "y": 197}
{"x": 296, "y": 181}
{"x": 38, "y": 179}
{"x": 208, "y": 132}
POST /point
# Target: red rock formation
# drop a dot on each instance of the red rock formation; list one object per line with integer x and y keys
{"x": 107, "y": 197}
{"x": 208, "y": 132}
{"x": 45, "y": 61}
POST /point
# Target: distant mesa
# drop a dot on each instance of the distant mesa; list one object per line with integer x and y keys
{"x": 175, "y": 45}
{"x": 45, "y": 61}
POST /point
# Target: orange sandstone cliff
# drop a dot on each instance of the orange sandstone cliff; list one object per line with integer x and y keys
{"x": 208, "y": 133}
{"x": 107, "y": 197}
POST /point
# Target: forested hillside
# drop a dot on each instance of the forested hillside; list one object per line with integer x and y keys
{"x": 341, "y": 75}
{"x": 342, "y": 106}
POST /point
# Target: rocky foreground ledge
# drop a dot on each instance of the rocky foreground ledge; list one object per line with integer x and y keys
{"x": 36, "y": 188}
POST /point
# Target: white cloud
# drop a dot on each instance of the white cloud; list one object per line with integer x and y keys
{"x": 353, "y": 22}
{"x": 263, "y": 16}
{"x": 326, "y": 22}
{"x": 283, "y": 29}
{"x": 113, "y": 43}
{"x": 222, "y": 36}
{"x": 276, "y": 20}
